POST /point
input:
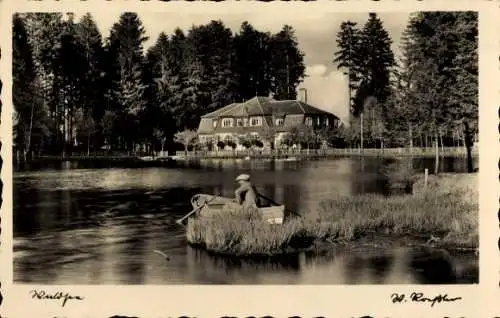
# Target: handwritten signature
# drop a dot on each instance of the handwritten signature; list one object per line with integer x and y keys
{"x": 420, "y": 298}
{"x": 64, "y": 297}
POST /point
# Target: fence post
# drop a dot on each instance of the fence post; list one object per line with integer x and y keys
{"x": 425, "y": 177}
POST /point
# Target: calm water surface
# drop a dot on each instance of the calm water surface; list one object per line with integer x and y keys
{"x": 98, "y": 224}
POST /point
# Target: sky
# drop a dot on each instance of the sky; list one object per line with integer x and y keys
{"x": 315, "y": 30}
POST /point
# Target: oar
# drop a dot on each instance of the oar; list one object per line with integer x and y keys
{"x": 274, "y": 202}
{"x": 179, "y": 221}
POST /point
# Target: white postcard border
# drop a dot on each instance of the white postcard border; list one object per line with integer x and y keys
{"x": 278, "y": 301}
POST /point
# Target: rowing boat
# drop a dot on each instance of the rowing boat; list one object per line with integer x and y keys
{"x": 210, "y": 205}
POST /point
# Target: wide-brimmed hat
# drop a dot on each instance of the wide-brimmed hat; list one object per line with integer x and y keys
{"x": 243, "y": 177}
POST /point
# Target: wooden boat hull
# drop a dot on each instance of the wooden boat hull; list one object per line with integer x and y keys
{"x": 214, "y": 205}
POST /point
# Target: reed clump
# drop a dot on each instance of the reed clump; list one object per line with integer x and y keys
{"x": 445, "y": 215}
{"x": 400, "y": 176}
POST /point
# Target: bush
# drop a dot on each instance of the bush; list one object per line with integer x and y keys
{"x": 257, "y": 143}
{"x": 221, "y": 144}
{"x": 231, "y": 144}
{"x": 245, "y": 142}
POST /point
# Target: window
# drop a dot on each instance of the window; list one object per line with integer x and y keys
{"x": 279, "y": 122}
{"x": 309, "y": 121}
{"x": 326, "y": 121}
{"x": 255, "y": 136}
{"x": 214, "y": 123}
{"x": 318, "y": 121}
{"x": 245, "y": 122}
{"x": 227, "y": 122}
{"x": 255, "y": 121}
{"x": 239, "y": 122}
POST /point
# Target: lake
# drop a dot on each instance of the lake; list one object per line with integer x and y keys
{"x": 88, "y": 223}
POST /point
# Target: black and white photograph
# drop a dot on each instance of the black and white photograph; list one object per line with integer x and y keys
{"x": 239, "y": 148}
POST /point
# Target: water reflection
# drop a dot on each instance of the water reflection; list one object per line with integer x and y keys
{"x": 399, "y": 266}
{"x": 80, "y": 224}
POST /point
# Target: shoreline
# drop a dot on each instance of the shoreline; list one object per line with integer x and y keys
{"x": 248, "y": 155}
{"x": 387, "y": 242}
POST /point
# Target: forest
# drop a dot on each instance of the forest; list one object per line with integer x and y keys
{"x": 77, "y": 91}
{"x": 73, "y": 88}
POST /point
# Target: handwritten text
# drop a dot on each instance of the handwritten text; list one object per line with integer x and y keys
{"x": 420, "y": 298}
{"x": 64, "y": 297}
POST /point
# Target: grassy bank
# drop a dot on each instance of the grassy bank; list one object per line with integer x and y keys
{"x": 443, "y": 183}
{"x": 445, "y": 215}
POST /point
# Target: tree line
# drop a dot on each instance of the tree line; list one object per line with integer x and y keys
{"x": 428, "y": 97}
{"x": 74, "y": 89}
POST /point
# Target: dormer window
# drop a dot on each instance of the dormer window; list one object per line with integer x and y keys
{"x": 279, "y": 121}
{"x": 227, "y": 122}
{"x": 256, "y": 121}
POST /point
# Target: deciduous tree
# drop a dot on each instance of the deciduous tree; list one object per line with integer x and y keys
{"x": 186, "y": 138}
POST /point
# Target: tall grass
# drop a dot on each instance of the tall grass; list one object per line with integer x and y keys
{"x": 444, "y": 215}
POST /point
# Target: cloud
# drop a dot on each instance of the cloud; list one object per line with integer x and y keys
{"x": 316, "y": 70}
{"x": 327, "y": 91}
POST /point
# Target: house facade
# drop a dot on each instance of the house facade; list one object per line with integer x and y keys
{"x": 260, "y": 118}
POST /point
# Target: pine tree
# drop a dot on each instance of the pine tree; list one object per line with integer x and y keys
{"x": 57, "y": 56}
{"x": 441, "y": 55}
{"x": 196, "y": 95}
{"x": 165, "y": 85}
{"x": 126, "y": 46}
{"x": 265, "y": 65}
{"x": 287, "y": 64}
{"x": 348, "y": 56}
{"x": 156, "y": 71}
{"x": 251, "y": 62}
{"x": 368, "y": 56}
{"x": 93, "y": 85}
{"x": 210, "y": 82}
{"x": 465, "y": 71}
{"x": 377, "y": 58}
{"x": 177, "y": 55}
{"x": 28, "y": 106}
{"x": 217, "y": 62}
{"x": 70, "y": 74}
{"x": 44, "y": 30}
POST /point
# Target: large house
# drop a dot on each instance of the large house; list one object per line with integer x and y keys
{"x": 259, "y": 117}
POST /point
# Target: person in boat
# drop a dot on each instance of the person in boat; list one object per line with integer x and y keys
{"x": 246, "y": 194}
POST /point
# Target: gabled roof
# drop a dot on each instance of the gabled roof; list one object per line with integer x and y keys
{"x": 293, "y": 112}
{"x": 260, "y": 105}
{"x": 220, "y": 111}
